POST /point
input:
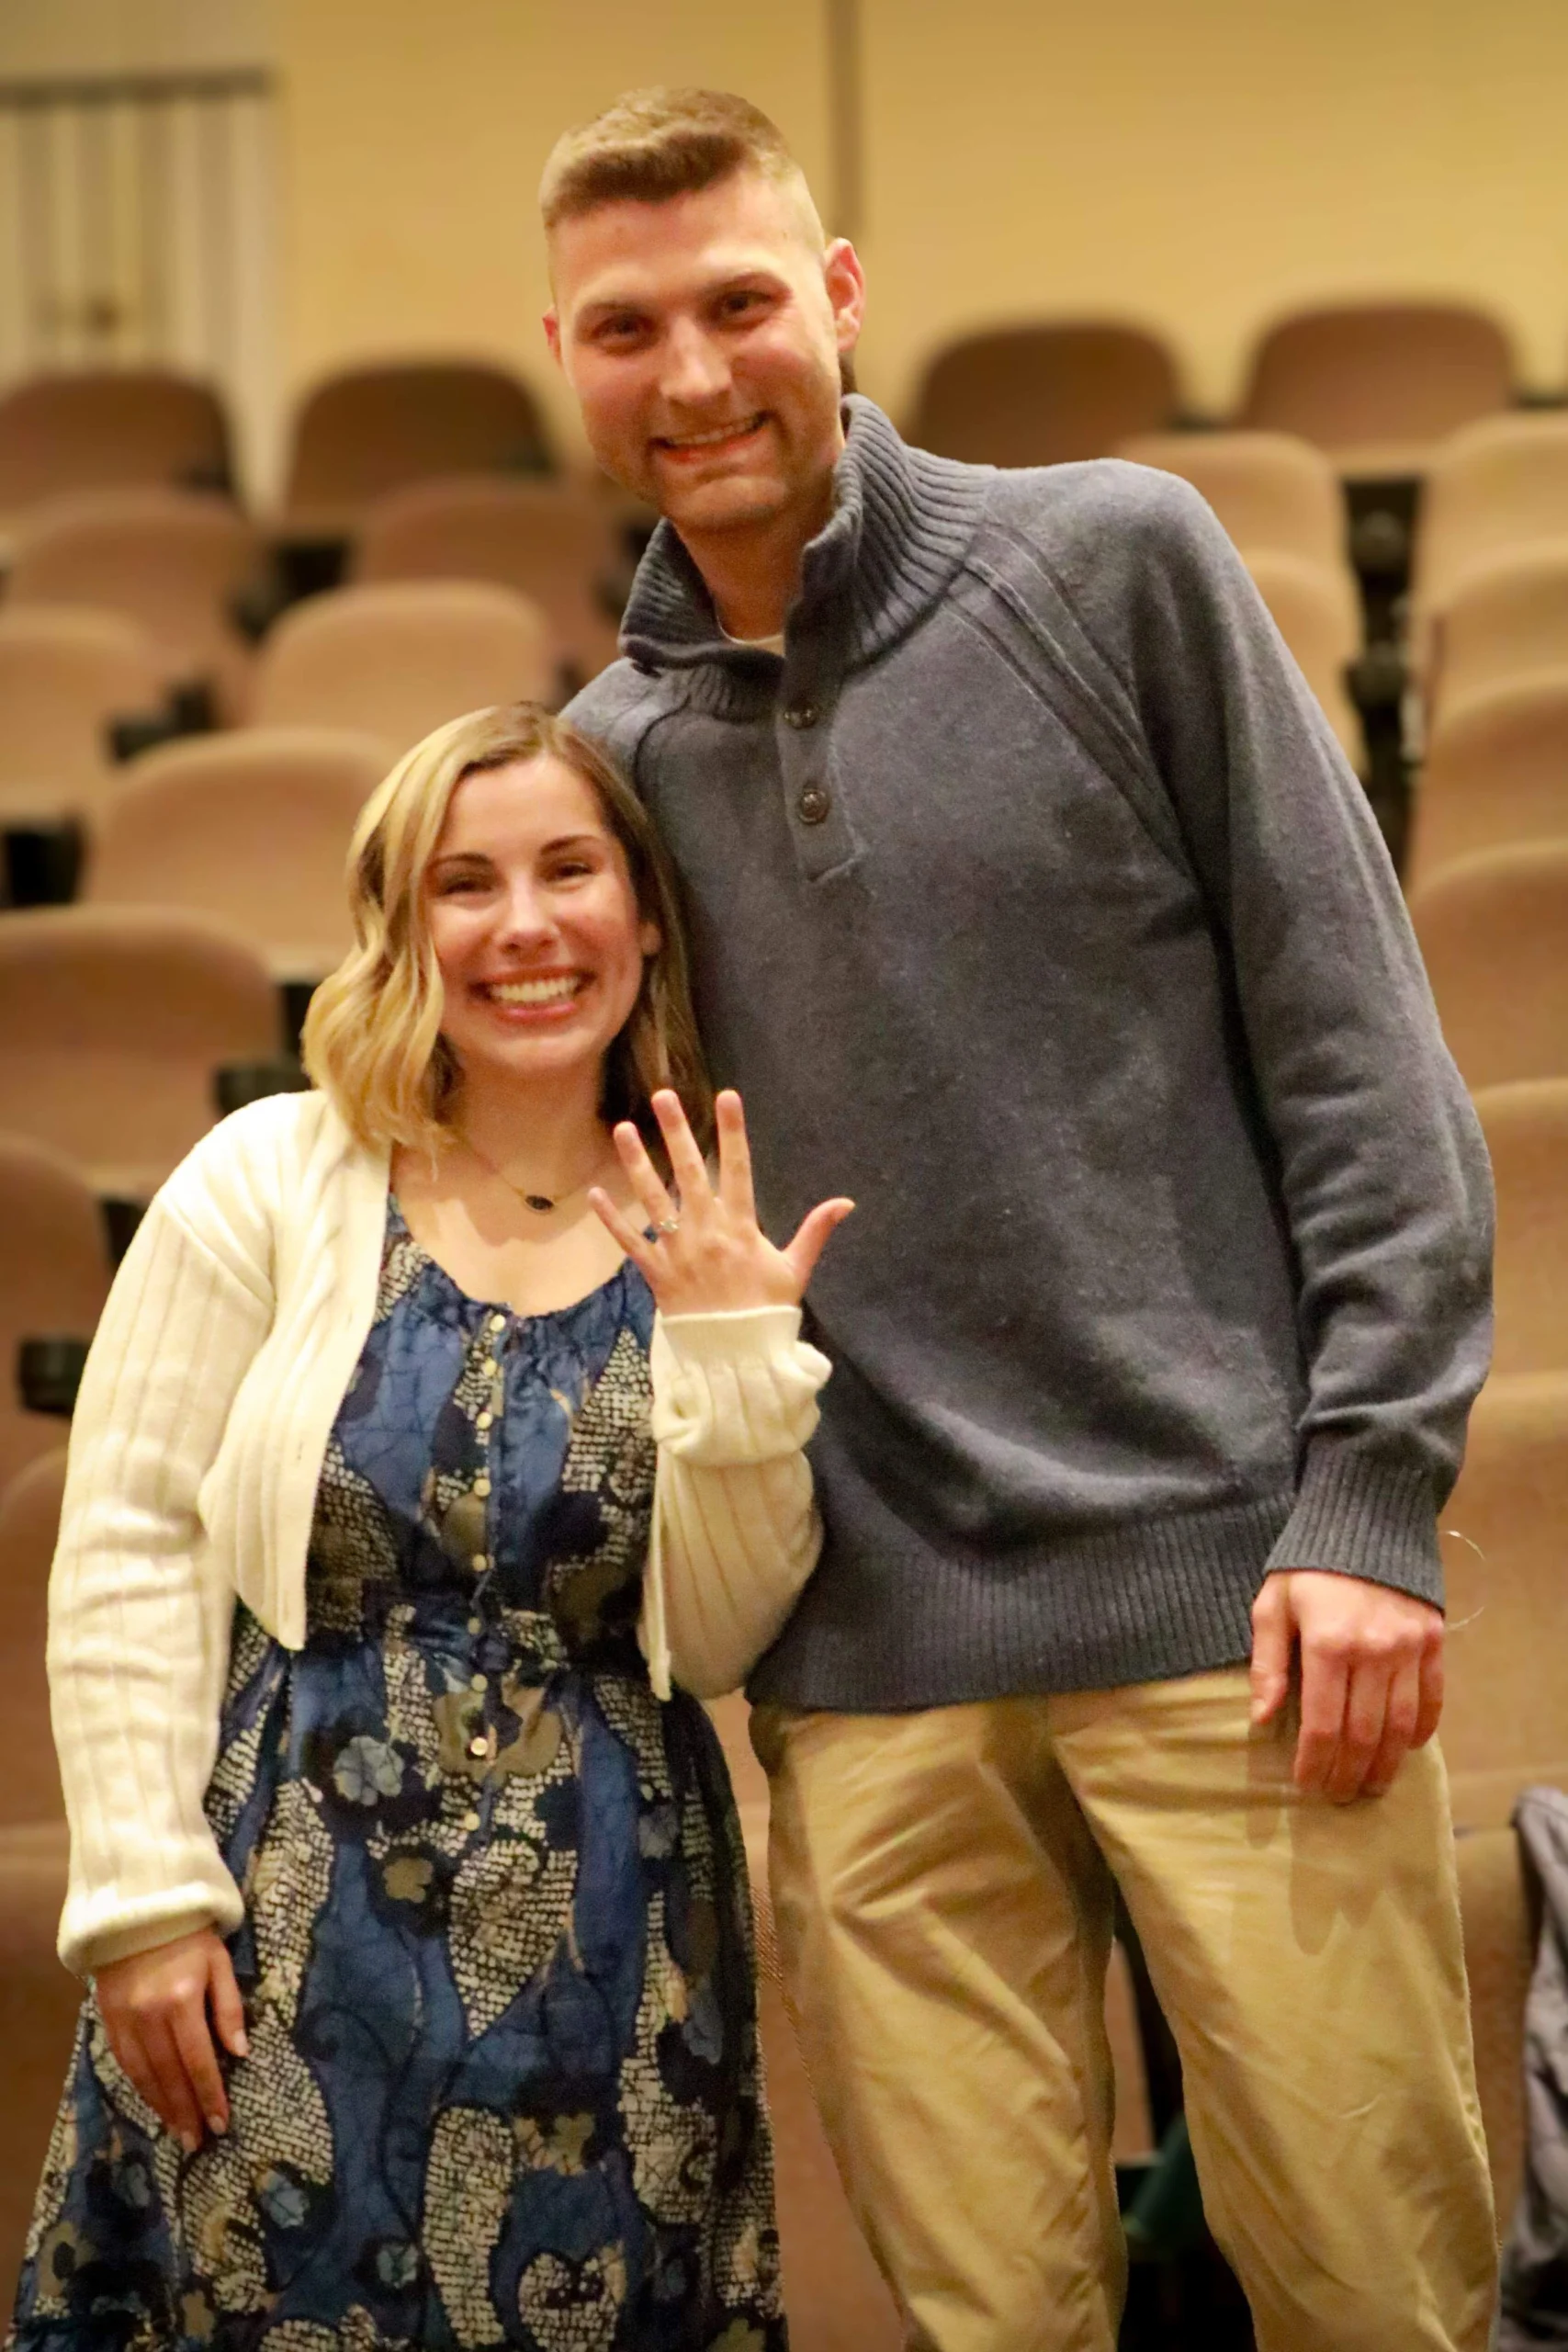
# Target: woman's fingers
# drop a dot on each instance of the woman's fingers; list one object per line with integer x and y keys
{"x": 686, "y": 1159}
{"x": 812, "y": 1235}
{"x": 735, "y": 1187}
{"x": 635, "y": 1244}
{"x": 644, "y": 1178}
{"x": 193, "y": 2040}
{"x": 176, "y": 2101}
{"x": 227, "y": 2008}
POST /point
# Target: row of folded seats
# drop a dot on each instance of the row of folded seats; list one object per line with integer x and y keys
{"x": 211, "y": 898}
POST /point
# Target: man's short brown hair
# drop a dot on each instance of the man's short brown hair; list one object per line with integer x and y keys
{"x": 651, "y": 145}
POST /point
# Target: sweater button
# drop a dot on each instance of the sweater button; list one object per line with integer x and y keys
{"x": 801, "y": 714}
{"x": 813, "y": 805}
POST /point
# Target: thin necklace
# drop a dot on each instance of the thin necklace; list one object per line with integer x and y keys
{"x": 540, "y": 1203}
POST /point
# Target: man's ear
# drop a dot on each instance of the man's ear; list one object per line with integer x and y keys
{"x": 845, "y": 281}
{"x": 552, "y": 336}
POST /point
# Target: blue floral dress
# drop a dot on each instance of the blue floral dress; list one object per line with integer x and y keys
{"x": 502, "y": 2087}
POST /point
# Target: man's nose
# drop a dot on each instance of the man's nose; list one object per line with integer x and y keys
{"x": 695, "y": 366}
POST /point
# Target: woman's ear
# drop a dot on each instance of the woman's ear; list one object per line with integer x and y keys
{"x": 649, "y": 939}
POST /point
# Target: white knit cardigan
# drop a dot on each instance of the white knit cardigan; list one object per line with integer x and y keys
{"x": 230, "y": 1336}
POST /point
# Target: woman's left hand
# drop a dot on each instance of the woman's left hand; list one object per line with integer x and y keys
{"x": 709, "y": 1254}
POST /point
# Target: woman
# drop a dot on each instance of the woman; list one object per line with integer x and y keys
{"x": 369, "y": 1788}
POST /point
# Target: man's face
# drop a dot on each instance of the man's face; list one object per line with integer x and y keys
{"x": 702, "y": 338}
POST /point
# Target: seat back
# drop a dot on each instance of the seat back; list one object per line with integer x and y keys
{"x": 1505, "y": 1725}
{"x": 54, "y": 1276}
{"x": 1525, "y": 1126}
{"x": 64, "y": 675}
{"x": 102, "y": 428}
{"x": 1315, "y": 609}
{"x": 1491, "y": 928}
{"x": 250, "y": 828}
{"x": 1495, "y": 1913}
{"x": 1495, "y": 771}
{"x": 1379, "y": 384}
{"x": 112, "y": 1024}
{"x": 38, "y": 2008}
{"x": 1274, "y": 493}
{"x": 1502, "y": 624}
{"x": 1495, "y": 490}
{"x": 1033, "y": 395}
{"x": 397, "y": 660}
{"x": 554, "y": 542}
{"x": 172, "y": 561}
{"x": 369, "y": 430}
{"x": 29, "y": 1525}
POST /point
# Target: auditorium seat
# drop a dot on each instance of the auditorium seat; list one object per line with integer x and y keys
{"x": 66, "y": 675}
{"x": 1495, "y": 771}
{"x": 54, "y": 1275}
{"x": 1034, "y": 394}
{"x": 556, "y": 542}
{"x": 1317, "y": 613}
{"x": 1379, "y": 385}
{"x": 250, "y": 828}
{"x": 172, "y": 561}
{"x": 1495, "y": 491}
{"x": 1274, "y": 493}
{"x": 1491, "y": 928}
{"x": 396, "y": 660}
{"x": 369, "y": 430}
{"x": 113, "y": 1021}
{"x": 1494, "y": 1912}
{"x": 1501, "y": 624}
{"x": 1505, "y": 1725}
{"x": 107, "y": 428}
{"x": 1526, "y": 1125}
{"x": 29, "y": 1525}
{"x": 39, "y": 2003}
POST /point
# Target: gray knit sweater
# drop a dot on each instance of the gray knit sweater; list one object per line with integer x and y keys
{"x": 1034, "y": 905}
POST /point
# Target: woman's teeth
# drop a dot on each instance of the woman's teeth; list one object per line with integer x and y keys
{"x": 536, "y": 992}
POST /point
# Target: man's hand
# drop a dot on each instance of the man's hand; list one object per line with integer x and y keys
{"x": 1371, "y": 1663}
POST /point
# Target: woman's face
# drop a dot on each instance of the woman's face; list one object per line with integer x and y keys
{"x": 535, "y": 924}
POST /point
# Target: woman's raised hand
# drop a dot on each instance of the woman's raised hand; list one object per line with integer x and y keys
{"x": 155, "y": 2007}
{"x": 709, "y": 1253}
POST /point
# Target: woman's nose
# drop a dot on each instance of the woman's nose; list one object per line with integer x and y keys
{"x": 523, "y": 914}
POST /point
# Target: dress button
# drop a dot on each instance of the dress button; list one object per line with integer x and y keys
{"x": 813, "y": 805}
{"x": 489, "y": 1365}
{"x": 476, "y": 1682}
{"x": 498, "y": 1322}
{"x": 480, "y": 1747}
{"x": 483, "y": 1420}
{"x": 481, "y": 1563}
{"x": 482, "y": 1486}
{"x": 476, "y": 1625}
{"x": 470, "y": 1821}
{"x": 801, "y": 714}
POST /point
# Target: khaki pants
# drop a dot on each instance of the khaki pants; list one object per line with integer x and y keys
{"x": 942, "y": 1886}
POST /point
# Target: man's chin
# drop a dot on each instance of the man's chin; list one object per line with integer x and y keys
{"x": 715, "y": 507}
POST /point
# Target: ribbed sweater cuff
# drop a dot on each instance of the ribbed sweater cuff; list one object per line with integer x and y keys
{"x": 1364, "y": 1517}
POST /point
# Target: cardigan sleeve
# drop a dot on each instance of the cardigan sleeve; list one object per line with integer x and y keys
{"x": 735, "y": 1532}
{"x": 139, "y": 1611}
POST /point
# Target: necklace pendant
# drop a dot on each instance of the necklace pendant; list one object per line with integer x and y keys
{"x": 539, "y": 1202}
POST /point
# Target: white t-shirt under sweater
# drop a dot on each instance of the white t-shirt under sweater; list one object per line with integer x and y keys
{"x": 230, "y": 1336}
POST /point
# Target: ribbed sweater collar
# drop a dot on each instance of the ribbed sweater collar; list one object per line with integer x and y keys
{"x": 901, "y": 523}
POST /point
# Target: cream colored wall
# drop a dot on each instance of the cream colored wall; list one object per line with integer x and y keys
{"x": 415, "y": 132}
{"x": 1201, "y": 164}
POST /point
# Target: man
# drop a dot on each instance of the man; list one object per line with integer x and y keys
{"x": 1033, "y": 906}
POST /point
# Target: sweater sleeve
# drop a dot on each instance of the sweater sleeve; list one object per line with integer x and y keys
{"x": 139, "y": 1610}
{"x": 735, "y": 1530}
{"x": 1383, "y": 1172}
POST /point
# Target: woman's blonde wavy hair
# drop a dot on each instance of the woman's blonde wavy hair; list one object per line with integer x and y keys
{"x": 372, "y": 1038}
